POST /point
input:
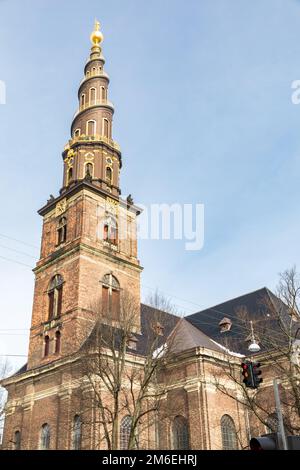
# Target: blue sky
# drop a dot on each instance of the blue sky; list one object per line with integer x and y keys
{"x": 202, "y": 91}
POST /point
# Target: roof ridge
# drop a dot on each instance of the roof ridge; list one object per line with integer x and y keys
{"x": 230, "y": 300}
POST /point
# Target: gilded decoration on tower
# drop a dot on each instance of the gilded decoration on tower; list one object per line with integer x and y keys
{"x": 112, "y": 206}
{"x": 61, "y": 207}
{"x": 96, "y": 36}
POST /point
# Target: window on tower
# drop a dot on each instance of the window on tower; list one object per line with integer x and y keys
{"x": 17, "y": 440}
{"x": 46, "y": 346}
{"x": 82, "y": 102}
{"x": 77, "y": 425}
{"x": 111, "y": 296}
{"x": 91, "y": 127}
{"x": 45, "y": 437}
{"x": 69, "y": 175}
{"x": 92, "y": 95}
{"x": 108, "y": 175}
{"x": 89, "y": 169}
{"x": 110, "y": 231}
{"x": 105, "y": 127}
{"x": 55, "y": 296}
{"x": 57, "y": 342}
{"x": 103, "y": 93}
{"x": 62, "y": 230}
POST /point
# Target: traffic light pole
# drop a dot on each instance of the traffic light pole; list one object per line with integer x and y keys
{"x": 281, "y": 430}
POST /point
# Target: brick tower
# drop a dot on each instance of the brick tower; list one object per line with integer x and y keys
{"x": 88, "y": 246}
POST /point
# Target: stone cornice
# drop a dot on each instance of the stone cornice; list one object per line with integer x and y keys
{"x": 84, "y": 184}
{"x": 89, "y": 249}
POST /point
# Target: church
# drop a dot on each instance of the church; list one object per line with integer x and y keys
{"x": 89, "y": 248}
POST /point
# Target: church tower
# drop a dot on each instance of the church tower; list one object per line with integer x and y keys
{"x": 89, "y": 247}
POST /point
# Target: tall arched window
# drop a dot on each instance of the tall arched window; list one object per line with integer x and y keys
{"x": 82, "y": 101}
{"x": 105, "y": 127}
{"x": 229, "y": 435}
{"x": 46, "y": 345}
{"x": 125, "y": 429}
{"x": 108, "y": 175}
{"x": 180, "y": 431}
{"x": 69, "y": 175}
{"x": 89, "y": 169}
{"x": 103, "y": 93}
{"x": 57, "y": 342}
{"x": 111, "y": 296}
{"x": 91, "y": 127}
{"x": 77, "y": 424}
{"x": 55, "y": 296}
{"x": 45, "y": 437}
{"x": 92, "y": 95}
{"x": 17, "y": 440}
{"x": 110, "y": 230}
{"x": 62, "y": 230}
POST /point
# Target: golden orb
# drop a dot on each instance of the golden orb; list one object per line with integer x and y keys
{"x": 96, "y": 36}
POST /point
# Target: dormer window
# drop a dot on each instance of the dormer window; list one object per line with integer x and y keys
{"x": 158, "y": 329}
{"x": 132, "y": 342}
{"x": 225, "y": 325}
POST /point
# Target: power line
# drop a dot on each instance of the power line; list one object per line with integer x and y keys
{"x": 17, "y": 251}
{"x": 17, "y": 262}
{"x": 13, "y": 355}
{"x": 19, "y": 241}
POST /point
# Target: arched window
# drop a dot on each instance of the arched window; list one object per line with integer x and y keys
{"x": 82, "y": 101}
{"x": 69, "y": 175}
{"x": 110, "y": 230}
{"x": 77, "y": 133}
{"x": 88, "y": 73}
{"x": 62, "y": 230}
{"x": 229, "y": 435}
{"x": 108, "y": 175}
{"x": 89, "y": 169}
{"x": 91, "y": 127}
{"x": 45, "y": 437}
{"x": 57, "y": 342}
{"x": 92, "y": 95}
{"x": 77, "y": 432}
{"x": 17, "y": 440}
{"x": 103, "y": 93}
{"x": 111, "y": 296}
{"x": 105, "y": 127}
{"x": 93, "y": 70}
{"x": 125, "y": 429}
{"x": 55, "y": 296}
{"x": 46, "y": 346}
{"x": 181, "y": 439}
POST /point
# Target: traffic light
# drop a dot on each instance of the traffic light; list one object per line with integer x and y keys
{"x": 247, "y": 374}
{"x": 266, "y": 442}
{"x": 256, "y": 372}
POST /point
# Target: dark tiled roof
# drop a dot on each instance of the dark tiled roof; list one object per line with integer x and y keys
{"x": 186, "y": 336}
{"x": 257, "y": 305}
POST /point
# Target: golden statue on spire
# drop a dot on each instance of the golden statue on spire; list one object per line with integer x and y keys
{"x": 96, "y": 36}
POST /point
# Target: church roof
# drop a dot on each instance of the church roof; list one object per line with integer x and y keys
{"x": 258, "y": 306}
{"x": 186, "y": 336}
